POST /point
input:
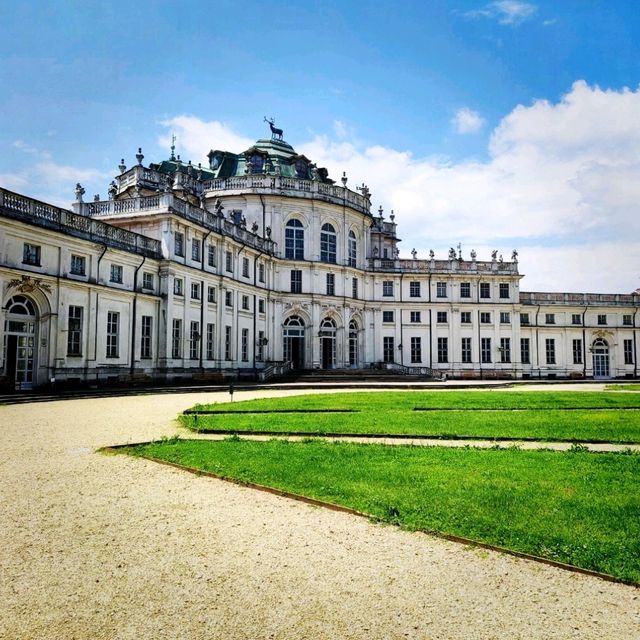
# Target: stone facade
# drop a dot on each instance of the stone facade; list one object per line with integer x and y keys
{"x": 259, "y": 262}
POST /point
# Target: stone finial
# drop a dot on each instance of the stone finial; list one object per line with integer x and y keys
{"x": 344, "y": 179}
{"x": 380, "y": 211}
{"x": 392, "y": 217}
{"x": 414, "y": 253}
{"x": 122, "y": 166}
{"x": 96, "y": 197}
{"x": 139, "y": 156}
{"x": 432, "y": 254}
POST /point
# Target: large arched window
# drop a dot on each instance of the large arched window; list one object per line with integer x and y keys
{"x": 294, "y": 240}
{"x": 353, "y": 249}
{"x": 328, "y": 243}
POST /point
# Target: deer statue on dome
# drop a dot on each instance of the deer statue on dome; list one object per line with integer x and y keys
{"x": 276, "y": 134}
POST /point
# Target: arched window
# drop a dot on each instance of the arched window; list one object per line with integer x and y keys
{"x": 327, "y": 335}
{"x": 328, "y": 243}
{"x": 353, "y": 249}
{"x": 21, "y": 306}
{"x": 294, "y": 240}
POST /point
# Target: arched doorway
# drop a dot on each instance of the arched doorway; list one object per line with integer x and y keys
{"x": 20, "y": 342}
{"x": 353, "y": 344}
{"x": 600, "y": 351}
{"x": 293, "y": 341}
{"x": 327, "y": 344}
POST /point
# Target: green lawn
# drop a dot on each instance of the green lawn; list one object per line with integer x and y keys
{"x": 544, "y": 415}
{"x": 580, "y": 508}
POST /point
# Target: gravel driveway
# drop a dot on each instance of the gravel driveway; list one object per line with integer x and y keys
{"x": 95, "y": 546}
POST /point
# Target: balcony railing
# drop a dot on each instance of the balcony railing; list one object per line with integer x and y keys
{"x": 168, "y": 202}
{"x": 14, "y": 205}
{"x": 297, "y": 187}
{"x": 442, "y": 266}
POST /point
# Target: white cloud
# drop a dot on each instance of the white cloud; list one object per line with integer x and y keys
{"x": 467, "y": 120}
{"x": 195, "y": 137}
{"x": 561, "y": 184}
{"x": 511, "y": 12}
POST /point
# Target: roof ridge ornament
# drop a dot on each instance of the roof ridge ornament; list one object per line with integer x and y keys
{"x": 276, "y": 134}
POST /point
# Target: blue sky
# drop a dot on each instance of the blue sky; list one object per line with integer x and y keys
{"x": 505, "y": 124}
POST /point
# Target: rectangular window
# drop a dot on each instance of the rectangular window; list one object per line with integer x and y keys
{"x": 466, "y": 350}
{"x": 387, "y": 287}
{"x": 31, "y": 254}
{"x": 576, "y": 318}
{"x": 627, "y": 320}
{"x": 416, "y": 349}
{"x": 525, "y": 351}
{"x": 227, "y": 343}
{"x": 195, "y": 291}
{"x": 485, "y": 290}
{"x": 415, "y": 316}
{"x": 113, "y": 329}
{"x": 178, "y": 243}
{"x": 602, "y": 318}
{"x": 485, "y": 350}
{"x": 261, "y": 272}
{"x": 176, "y": 339}
{"x": 260, "y": 305}
{"x": 465, "y": 289}
{"x": 387, "y": 316}
{"x": 485, "y": 317}
{"x": 211, "y": 294}
{"x": 245, "y": 267}
{"x": 145, "y": 336}
{"x": 354, "y": 288}
{"x": 244, "y": 343}
{"x": 211, "y": 341}
{"x": 441, "y": 289}
{"x": 388, "y": 349}
{"x": 261, "y": 343}
{"x": 577, "y": 352}
{"x": 228, "y": 299}
{"x": 296, "y": 281}
{"x": 178, "y": 288}
{"x": 465, "y": 317}
{"x": 505, "y": 349}
{"x": 443, "y": 350}
{"x": 550, "y": 318}
{"x": 78, "y": 265}
{"x": 524, "y": 319}
{"x": 628, "y": 351}
{"x": 228, "y": 257}
{"x": 414, "y": 289}
{"x": 147, "y": 281}
{"x": 211, "y": 255}
{"x": 116, "y": 274}
{"x": 441, "y": 316}
{"x": 196, "y": 249}
{"x": 504, "y": 290}
{"x": 331, "y": 284}
{"x": 194, "y": 340}
{"x": 245, "y": 303}
{"x": 74, "y": 328}
{"x": 505, "y": 317}
{"x": 550, "y": 350}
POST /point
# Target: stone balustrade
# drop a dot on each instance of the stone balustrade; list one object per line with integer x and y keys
{"x": 471, "y": 267}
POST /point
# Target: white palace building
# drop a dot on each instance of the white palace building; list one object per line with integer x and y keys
{"x": 258, "y": 263}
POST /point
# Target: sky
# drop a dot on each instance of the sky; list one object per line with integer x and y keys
{"x": 505, "y": 125}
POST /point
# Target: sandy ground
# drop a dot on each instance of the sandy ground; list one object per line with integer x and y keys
{"x": 95, "y": 546}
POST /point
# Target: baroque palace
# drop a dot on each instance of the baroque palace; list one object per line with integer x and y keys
{"x": 258, "y": 263}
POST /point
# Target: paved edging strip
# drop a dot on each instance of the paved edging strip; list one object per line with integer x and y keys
{"x": 341, "y": 509}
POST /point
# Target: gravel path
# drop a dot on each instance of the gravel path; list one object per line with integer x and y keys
{"x": 95, "y": 546}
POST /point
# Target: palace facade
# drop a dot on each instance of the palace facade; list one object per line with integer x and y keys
{"x": 257, "y": 263}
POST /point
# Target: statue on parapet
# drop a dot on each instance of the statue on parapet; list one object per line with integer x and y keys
{"x": 276, "y": 134}
{"x": 514, "y": 256}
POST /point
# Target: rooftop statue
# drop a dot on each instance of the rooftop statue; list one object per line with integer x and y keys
{"x": 276, "y": 134}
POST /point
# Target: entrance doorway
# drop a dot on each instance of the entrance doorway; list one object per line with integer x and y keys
{"x": 327, "y": 344}
{"x": 293, "y": 341}
{"x": 20, "y": 342}
{"x": 600, "y": 351}
{"x": 353, "y": 344}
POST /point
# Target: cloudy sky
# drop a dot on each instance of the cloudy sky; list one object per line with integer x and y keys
{"x": 498, "y": 125}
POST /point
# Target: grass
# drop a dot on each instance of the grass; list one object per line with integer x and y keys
{"x": 574, "y": 507}
{"x": 545, "y": 415}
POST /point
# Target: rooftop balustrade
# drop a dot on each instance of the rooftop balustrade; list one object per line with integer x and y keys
{"x": 580, "y": 299}
{"x": 14, "y": 205}
{"x": 472, "y": 267}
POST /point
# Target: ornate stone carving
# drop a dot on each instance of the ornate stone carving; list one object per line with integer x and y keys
{"x": 27, "y": 284}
